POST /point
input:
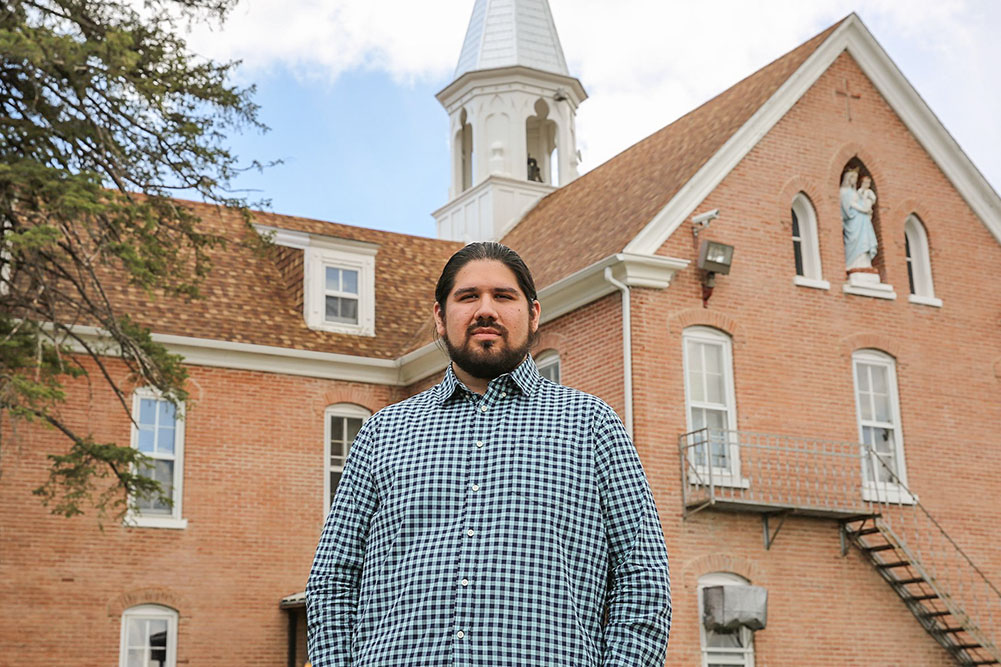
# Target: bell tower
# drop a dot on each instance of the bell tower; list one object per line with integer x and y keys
{"x": 511, "y": 110}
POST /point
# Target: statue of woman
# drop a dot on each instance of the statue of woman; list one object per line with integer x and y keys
{"x": 856, "y": 216}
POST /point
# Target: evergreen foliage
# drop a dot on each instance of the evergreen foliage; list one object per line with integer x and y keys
{"x": 104, "y": 115}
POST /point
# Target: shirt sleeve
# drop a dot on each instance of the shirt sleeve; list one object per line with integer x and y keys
{"x": 334, "y": 580}
{"x": 639, "y": 587}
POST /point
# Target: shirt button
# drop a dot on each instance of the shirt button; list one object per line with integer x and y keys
{"x": 465, "y": 582}
{"x": 476, "y": 487}
{"x": 470, "y": 532}
{"x": 460, "y": 634}
{"x": 479, "y": 443}
{"x": 483, "y": 408}
{"x": 503, "y": 394}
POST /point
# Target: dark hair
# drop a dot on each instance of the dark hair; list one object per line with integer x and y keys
{"x": 484, "y": 250}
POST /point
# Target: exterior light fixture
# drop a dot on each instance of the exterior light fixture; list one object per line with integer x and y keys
{"x": 714, "y": 257}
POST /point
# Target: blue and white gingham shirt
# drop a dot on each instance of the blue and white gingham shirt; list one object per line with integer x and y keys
{"x": 491, "y": 531}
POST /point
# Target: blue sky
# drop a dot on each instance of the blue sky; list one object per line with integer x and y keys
{"x": 347, "y": 86}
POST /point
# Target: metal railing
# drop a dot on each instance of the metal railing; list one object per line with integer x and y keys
{"x": 743, "y": 471}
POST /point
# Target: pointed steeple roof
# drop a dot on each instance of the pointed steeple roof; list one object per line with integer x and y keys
{"x": 505, "y": 33}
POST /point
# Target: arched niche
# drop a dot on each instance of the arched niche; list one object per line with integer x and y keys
{"x": 540, "y": 142}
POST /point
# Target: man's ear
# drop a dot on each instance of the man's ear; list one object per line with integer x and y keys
{"x": 536, "y": 312}
{"x": 439, "y": 319}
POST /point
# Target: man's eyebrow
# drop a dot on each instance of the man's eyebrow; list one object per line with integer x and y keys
{"x": 473, "y": 290}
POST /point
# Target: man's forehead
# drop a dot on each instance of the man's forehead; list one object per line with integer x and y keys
{"x": 483, "y": 274}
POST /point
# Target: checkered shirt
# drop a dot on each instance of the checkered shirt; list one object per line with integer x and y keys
{"x": 491, "y": 531}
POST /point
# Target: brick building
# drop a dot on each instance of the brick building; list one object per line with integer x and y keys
{"x": 828, "y": 437}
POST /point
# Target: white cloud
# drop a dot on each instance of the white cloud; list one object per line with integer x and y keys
{"x": 643, "y": 62}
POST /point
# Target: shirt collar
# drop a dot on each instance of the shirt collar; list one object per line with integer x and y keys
{"x": 525, "y": 378}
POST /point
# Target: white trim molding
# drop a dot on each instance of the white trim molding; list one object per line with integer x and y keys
{"x": 577, "y": 290}
{"x": 851, "y": 36}
{"x": 589, "y": 284}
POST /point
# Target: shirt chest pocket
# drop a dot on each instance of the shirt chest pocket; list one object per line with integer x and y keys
{"x": 548, "y": 474}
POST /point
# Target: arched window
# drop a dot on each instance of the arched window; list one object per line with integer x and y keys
{"x": 806, "y": 248}
{"x": 719, "y": 648}
{"x": 878, "y": 409}
{"x": 548, "y": 363}
{"x": 919, "y": 263}
{"x": 149, "y": 637}
{"x": 341, "y": 424}
{"x": 540, "y": 139}
{"x": 465, "y": 153}
{"x": 711, "y": 405}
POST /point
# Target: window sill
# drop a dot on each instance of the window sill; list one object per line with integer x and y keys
{"x": 172, "y": 523}
{"x": 815, "y": 283}
{"x": 925, "y": 300}
{"x": 893, "y": 494}
{"x": 728, "y": 480}
{"x": 352, "y": 330}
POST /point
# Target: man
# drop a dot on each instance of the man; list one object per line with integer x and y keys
{"x": 490, "y": 520}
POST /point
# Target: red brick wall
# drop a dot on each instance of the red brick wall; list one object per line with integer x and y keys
{"x": 792, "y": 350}
{"x": 253, "y": 498}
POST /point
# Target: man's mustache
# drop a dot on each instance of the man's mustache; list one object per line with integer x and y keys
{"x": 486, "y": 323}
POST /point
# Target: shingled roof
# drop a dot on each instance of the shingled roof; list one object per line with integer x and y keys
{"x": 602, "y": 211}
{"x": 246, "y": 298}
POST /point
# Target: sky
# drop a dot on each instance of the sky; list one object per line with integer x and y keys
{"x": 347, "y": 86}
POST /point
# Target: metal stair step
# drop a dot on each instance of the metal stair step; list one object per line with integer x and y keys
{"x": 865, "y": 531}
{"x": 985, "y": 662}
{"x": 887, "y": 566}
{"x": 878, "y": 547}
{"x": 919, "y": 598}
{"x": 904, "y": 582}
{"x": 952, "y": 630}
{"x": 933, "y": 614}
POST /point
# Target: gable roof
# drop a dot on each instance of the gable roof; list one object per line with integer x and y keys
{"x": 633, "y": 202}
{"x": 245, "y": 297}
{"x": 603, "y": 210}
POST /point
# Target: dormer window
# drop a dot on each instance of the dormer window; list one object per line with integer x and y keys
{"x": 337, "y": 278}
{"x": 339, "y": 289}
{"x": 340, "y": 295}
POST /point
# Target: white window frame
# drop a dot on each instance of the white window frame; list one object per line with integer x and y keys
{"x": 350, "y": 411}
{"x": 920, "y": 263}
{"x": 548, "y": 359}
{"x": 135, "y": 517}
{"x": 149, "y": 612}
{"x": 729, "y": 476}
{"x": 806, "y": 220}
{"x": 873, "y": 490}
{"x": 744, "y": 657}
{"x": 315, "y": 263}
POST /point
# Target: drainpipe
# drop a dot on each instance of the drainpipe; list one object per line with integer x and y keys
{"x": 627, "y": 349}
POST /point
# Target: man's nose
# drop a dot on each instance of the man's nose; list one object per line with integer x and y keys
{"x": 486, "y": 308}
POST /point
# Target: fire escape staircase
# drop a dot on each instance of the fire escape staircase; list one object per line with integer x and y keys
{"x": 778, "y": 476}
{"x": 934, "y": 608}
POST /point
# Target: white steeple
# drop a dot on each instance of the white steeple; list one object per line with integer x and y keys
{"x": 511, "y": 108}
{"x": 503, "y": 33}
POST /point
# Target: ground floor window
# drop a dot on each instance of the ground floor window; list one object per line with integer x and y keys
{"x": 149, "y": 637}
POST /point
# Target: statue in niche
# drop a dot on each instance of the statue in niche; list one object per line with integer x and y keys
{"x": 856, "y": 216}
{"x": 534, "y": 173}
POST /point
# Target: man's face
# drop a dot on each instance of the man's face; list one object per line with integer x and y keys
{"x": 487, "y": 324}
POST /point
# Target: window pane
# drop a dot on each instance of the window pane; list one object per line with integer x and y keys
{"x": 723, "y": 640}
{"x": 147, "y": 411}
{"x": 349, "y": 310}
{"x": 862, "y": 376}
{"x": 349, "y": 281}
{"x": 165, "y": 441}
{"x": 335, "y": 477}
{"x": 797, "y": 250}
{"x": 147, "y": 439}
{"x": 353, "y": 426}
{"x": 795, "y": 225}
{"x": 696, "y": 384}
{"x": 162, "y": 472}
{"x": 342, "y": 309}
{"x": 865, "y": 404}
{"x": 134, "y": 634}
{"x": 333, "y": 279}
{"x": 694, "y": 352}
{"x": 714, "y": 388}
{"x": 166, "y": 413}
{"x": 879, "y": 379}
{"x": 882, "y": 403}
{"x": 136, "y": 657}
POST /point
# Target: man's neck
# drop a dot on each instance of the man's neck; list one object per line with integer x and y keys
{"x": 475, "y": 384}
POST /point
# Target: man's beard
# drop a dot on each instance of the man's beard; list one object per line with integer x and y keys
{"x": 478, "y": 358}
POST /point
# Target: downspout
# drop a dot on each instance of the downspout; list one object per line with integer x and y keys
{"x": 627, "y": 349}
